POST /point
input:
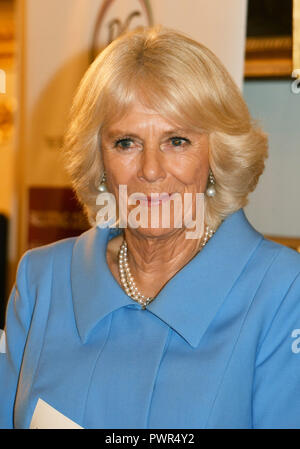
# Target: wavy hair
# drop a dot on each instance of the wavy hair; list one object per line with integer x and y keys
{"x": 182, "y": 80}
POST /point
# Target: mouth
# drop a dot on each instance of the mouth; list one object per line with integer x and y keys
{"x": 155, "y": 199}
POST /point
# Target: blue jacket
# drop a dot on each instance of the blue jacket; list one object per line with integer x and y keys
{"x": 219, "y": 347}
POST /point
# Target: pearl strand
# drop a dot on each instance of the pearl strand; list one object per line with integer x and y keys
{"x": 127, "y": 279}
{"x": 207, "y": 235}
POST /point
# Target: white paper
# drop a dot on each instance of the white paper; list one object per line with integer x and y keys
{"x": 2, "y": 342}
{"x": 47, "y": 417}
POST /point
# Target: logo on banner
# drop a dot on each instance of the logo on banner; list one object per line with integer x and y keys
{"x": 114, "y": 18}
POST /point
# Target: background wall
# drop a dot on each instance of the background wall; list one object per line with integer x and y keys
{"x": 274, "y": 206}
{"x": 218, "y": 24}
{"x": 7, "y": 106}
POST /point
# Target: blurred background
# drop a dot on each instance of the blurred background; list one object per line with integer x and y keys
{"x": 47, "y": 45}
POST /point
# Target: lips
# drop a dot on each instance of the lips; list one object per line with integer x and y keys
{"x": 157, "y": 198}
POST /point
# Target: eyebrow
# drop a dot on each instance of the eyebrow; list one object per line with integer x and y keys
{"x": 116, "y": 132}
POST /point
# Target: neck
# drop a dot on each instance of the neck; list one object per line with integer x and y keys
{"x": 154, "y": 260}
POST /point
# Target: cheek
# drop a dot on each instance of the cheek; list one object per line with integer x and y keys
{"x": 193, "y": 172}
{"x": 120, "y": 170}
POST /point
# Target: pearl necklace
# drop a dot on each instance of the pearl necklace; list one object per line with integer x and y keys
{"x": 127, "y": 279}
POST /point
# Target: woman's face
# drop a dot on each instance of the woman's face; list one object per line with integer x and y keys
{"x": 149, "y": 154}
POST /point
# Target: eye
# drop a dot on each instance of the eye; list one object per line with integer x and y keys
{"x": 126, "y": 143}
{"x": 179, "y": 141}
{"x": 123, "y": 144}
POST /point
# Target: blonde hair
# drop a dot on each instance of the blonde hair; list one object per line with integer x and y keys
{"x": 183, "y": 80}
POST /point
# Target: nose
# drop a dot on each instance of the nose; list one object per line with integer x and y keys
{"x": 151, "y": 165}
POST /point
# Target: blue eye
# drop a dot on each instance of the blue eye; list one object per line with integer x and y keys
{"x": 123, "y": 143}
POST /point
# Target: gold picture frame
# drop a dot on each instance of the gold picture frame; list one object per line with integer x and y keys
{"x": 7, "y": 30}
{"x": 296, "y": 35}
{"x": 7, "y": 53}
{"x": 274, "y": 56}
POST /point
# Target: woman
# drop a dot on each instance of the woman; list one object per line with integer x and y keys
{"x": 140, "y": 326}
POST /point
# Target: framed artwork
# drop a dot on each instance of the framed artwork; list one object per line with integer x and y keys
{"x": 273, "y": 38}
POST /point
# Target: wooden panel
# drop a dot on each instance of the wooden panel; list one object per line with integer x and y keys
{"x": 54, "y": 214}
{"x": 7, "y": 29}
{"x": 296, "y": 35}
{"x": 291, "y": 242}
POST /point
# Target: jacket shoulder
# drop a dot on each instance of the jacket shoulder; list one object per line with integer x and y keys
{"x": 60, "y": 246}
{"x": 282, "y": 268}
{"x": 288, "y": 259}
{"x": 41, "y": 259}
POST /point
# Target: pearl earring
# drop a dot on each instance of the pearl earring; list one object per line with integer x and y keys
{"x": 101, "y": 221}
{"x": 211, "y": 191}
{"x": 102, "y": 187}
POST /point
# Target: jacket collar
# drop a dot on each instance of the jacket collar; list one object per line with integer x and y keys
{"x": 187, "y": 303}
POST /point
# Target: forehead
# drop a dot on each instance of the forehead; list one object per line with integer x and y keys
{"x": 137, "y": 114}
{"x": 139, "y": 117}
